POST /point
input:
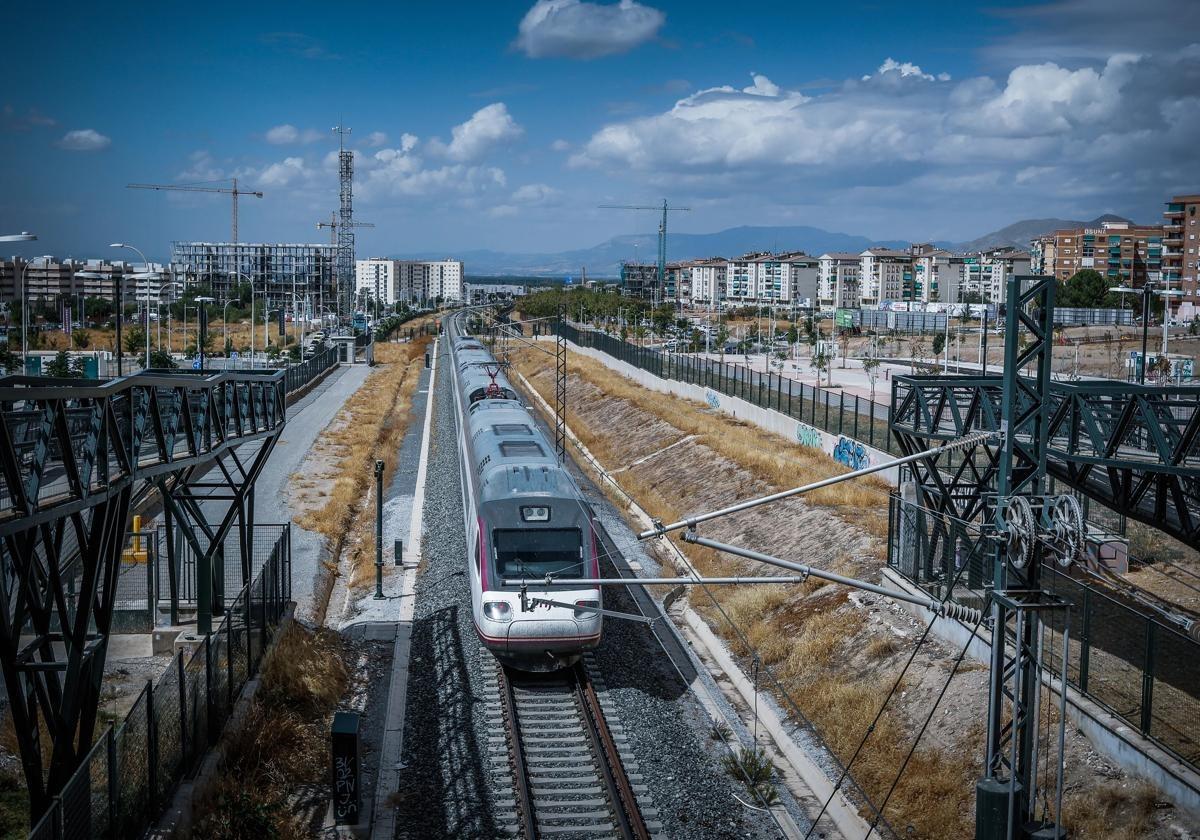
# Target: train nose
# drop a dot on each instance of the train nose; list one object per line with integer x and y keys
{"x": 558, "y": 635}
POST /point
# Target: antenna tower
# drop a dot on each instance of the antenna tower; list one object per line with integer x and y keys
{"x": 345, "y": 230}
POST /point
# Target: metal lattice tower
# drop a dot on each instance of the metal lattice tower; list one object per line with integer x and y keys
{"x": 560, "y": 389}
{"x": 345, "y": 230}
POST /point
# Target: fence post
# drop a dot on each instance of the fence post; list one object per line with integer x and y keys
{"x": 1148, "y": 678}
{"x": 841, "y": 410}
{"x": 151, "y": 747}
{"x": 183, "y": 727}
{"x": 789, "y": 396}
{"x": 210, "y": 718}
{"x": 114, "y": 790}
{"x": 1085, "y": 641}
{"x": 228, "y": 661}
{"x": 856, "y": 416}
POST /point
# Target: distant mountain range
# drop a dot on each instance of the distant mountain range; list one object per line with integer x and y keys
{"x": 604, "y": 260}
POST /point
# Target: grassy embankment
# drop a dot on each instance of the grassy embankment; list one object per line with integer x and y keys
{"x": 370, "y": 426}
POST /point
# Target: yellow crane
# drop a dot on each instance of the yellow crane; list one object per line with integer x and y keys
{"x": 235, "y": 192}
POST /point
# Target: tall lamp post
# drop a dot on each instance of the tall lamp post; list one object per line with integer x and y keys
{"x": 147, "y": 276}
{"x": 46, "y": 259}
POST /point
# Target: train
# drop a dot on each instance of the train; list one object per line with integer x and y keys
{"x": 526, "y": 522}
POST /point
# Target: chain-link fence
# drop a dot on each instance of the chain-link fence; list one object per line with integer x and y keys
{"x": 129, "y": 776}
{"x": 1140, "y": 668}
{"x": 833, "y": 411}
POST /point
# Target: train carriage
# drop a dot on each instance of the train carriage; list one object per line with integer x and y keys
{"x": 525, "y": 520}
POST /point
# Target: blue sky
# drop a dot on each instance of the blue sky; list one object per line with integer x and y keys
{"x": 502, "y": 124}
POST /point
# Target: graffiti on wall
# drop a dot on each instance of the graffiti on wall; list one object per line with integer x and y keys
{"x": 712, "y": 399}
{"x": 851, "y": 453}
{"x": 806, "y": 435}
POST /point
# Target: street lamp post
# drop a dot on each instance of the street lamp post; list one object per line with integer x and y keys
{"x": 25, "y": 310}
{"x": 1145, "y": 292}
{"x": 147, "y": 276}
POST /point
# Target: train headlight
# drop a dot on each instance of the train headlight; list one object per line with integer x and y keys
{"x": 497, "y": 610}
{"x": 586, "y": 613}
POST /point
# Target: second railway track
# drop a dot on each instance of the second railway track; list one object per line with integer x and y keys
{"x": 571, "y": 775}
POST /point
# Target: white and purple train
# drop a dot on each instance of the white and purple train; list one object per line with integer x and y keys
{"x": 525, "y": 520}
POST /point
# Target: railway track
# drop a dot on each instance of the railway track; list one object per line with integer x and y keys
{"x": 572, "y": 775}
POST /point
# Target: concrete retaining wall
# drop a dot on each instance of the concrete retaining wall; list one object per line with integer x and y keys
{"x": 845, "y": 450}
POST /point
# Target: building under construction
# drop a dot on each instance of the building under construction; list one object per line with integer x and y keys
{"x": 275, "y": 270}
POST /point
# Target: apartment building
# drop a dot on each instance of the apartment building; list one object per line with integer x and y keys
{"x": 707, "y": 284}
{"x": 885, "y": 274}
{"x": 1181, "y": 251}
{"x": 1042, "y": 254}
{"x": 837, "y": 280}
{"x": 935, "y": 274}
{"x": 803, "y": 272}
{"x": 678, "y": 278}
{"x": 49, "y": 281}
{"x": 1122, "y": 252}
{"x": 411, "y": 282}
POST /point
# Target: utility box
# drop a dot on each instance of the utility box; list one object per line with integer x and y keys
{"x": 346, "y": 770}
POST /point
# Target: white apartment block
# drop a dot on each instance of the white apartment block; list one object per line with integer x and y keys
{"x": 935, "y": 275}
{"x": 804, "y": 271}
{"x": 837, "y": 280}
{"x": 885, "y": 275}
{"x": 409, "y": 281}
{"x": 983, "y": 276}
{"x": 777, "y": 280}
{"x": 707, "y": 286}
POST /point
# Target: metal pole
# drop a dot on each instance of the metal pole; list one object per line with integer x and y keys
{"x": 1145, "y": 331}
{"x": 117, "y": 293}
{"x": 379, "y": 530}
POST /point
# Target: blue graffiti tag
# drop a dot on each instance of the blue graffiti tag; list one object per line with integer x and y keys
{"x": 851, "y": 453}
{"x": 808, "y": 436}
{"x": 712, "y": 400}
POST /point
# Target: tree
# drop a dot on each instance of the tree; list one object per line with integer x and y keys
{"x": 135, "y": 340}
{"x": 820, "y": 364}
{"x": 939, "y": 344}
{"x": 870, "y": 367}
{"x": 60, "y": 366}
{"x": 162, "y": 359}
{"x": 80, "y": 339}
{"x": 722, "y": 337}
{"x": 9, "y": 361}
{"x": 1086, "y": 288}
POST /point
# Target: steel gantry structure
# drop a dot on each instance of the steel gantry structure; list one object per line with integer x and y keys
{"x": 1135, "y": 449}
{"x": 75, "y": 459}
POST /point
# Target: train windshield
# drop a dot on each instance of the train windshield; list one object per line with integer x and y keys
{"x": 537, "y": 552}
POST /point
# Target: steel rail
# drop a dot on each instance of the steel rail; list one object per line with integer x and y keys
{"x": 692, "y": 521}
{"x": 516, "y": 752}
{"x": 620, "y": 791}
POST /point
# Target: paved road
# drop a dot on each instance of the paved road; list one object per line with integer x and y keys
{"x": 306, "y": 419}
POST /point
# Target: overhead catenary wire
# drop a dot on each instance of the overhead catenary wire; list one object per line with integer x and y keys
{"x": 694, "y": 520}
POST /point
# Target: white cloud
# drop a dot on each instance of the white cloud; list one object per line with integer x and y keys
{"x": 281, "y": 174}
{"x": 1118, "y": 128}
{"x": 282, "y": 135}
{"x": 84, "y": 140}
{"x": 487, "y": 128}
{"x": 536, "y": 194}
{"x": 502, "y": 211}
{"x": 408, "y": 142}
{"x": 286, "y": 135}
{"x": 560, "y": 145}
{"x": 903, "y": 69}
{"x": 575, "y": 29}
{"x": 376, "y": 139}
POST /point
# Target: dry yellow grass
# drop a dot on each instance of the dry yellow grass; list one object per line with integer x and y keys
{"x": 778, "y": 462}
{"x": 1111, "y": 811}
{"x": 370, "y": 426}
{"x": 806, "y": 634}
{"x": 282, "y": 746}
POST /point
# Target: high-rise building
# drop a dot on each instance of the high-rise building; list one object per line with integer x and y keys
{"x": 837, "y": 280}
{"x": 1181, "y": 250}
{"x": 54, "y": 283}
{"x": 275, "y": 271}
{"x": 885, "y": 275}
{"x": 708, "y": 281}
{"x": 1124, "y": 253}
{"x": 411, "y": 282}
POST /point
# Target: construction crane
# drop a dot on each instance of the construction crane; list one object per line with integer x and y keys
{"x": 235, "y": 192}
{"x": 662, "y": 232}
{"x": 333, "y": 224}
